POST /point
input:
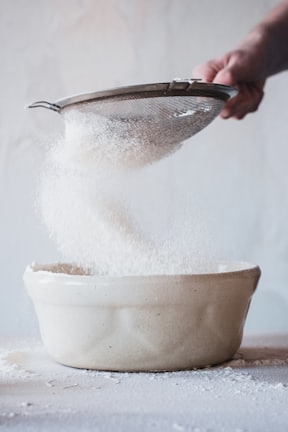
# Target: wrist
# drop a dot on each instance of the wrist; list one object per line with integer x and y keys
{"x": 259, "y": 42}
{"x": 271, "y": 40}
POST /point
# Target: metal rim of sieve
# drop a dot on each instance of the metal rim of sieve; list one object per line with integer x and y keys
{"x": 177, "y": 87}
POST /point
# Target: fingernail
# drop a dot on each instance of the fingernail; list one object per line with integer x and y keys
{"x": 225, "y": 114}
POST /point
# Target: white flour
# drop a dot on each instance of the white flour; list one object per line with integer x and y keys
{"x": 97, "y": 141}
{"x": 86, "y": 207}
{"x": 39, "y": 394}
{"x": 213, "y": 399}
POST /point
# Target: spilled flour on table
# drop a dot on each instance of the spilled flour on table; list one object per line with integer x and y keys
{"x": 30, "y": 359}
{"x": 85, "y": 203}
{"x": 185, "y": 400}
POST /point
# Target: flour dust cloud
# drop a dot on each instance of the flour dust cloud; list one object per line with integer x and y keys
{"x": 102, "y": 213}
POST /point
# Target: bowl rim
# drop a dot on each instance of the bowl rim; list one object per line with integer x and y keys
{"x": 246, "y": 269}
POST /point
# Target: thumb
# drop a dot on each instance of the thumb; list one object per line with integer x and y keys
{"x": 205, "y": 72}
{"x": 225, "y": 76}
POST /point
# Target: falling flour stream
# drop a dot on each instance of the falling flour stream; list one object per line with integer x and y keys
{"x": 84, "y": 204}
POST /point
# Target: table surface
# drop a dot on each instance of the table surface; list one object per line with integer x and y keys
{"x": 249, "y": 393}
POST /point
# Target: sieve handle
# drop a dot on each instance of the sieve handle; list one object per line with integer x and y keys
{"x": 44, "y": 104}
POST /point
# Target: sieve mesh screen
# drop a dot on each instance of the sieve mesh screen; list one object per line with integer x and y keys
{"x": 168, "y": 120}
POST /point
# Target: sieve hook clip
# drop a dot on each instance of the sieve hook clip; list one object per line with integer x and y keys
{"x": 44, "y": 104}
{"x": 189, "y": 83}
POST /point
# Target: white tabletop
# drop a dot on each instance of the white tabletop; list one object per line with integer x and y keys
{"x": 249, "y": 393}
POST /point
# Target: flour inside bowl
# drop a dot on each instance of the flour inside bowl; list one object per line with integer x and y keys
{"x": 86, "y": 204}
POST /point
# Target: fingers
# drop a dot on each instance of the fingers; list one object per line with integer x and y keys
{"x": 225, "y": 72}
{"x": 247, "y": 101}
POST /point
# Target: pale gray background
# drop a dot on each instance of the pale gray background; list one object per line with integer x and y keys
{"x": 52, "y": 49}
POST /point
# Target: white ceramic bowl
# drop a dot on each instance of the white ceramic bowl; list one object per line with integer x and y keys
{"x": 142, "y": 323}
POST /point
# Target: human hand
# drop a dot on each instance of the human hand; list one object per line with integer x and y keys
{"x": 262, "y": 53}
{"x": 242, "y": 68}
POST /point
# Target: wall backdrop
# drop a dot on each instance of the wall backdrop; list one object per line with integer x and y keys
{"x": 237, "y": 169}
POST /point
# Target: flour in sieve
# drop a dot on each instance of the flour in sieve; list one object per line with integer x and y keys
{"x": 90, "y": 216}
{"x": 91, "y": 139}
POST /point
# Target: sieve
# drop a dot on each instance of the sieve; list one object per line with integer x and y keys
{"x": 160, "y": 113}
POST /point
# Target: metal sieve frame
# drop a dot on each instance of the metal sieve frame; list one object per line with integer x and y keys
{"x": 183, "y": 87}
